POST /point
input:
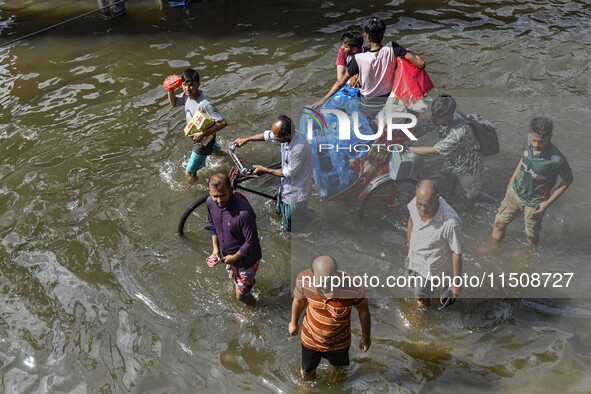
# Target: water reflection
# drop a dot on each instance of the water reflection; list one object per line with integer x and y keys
{"x": 98, "y": 292}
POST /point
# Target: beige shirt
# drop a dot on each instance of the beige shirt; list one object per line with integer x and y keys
{"x": 433, "y": 241}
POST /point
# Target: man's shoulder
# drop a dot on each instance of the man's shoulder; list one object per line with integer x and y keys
{"x": 461, "y": 131}
{"x": 351, "y": 291}
{"x": 367, "y": 54}
{"x": 301, "y": 139}
{"x": 449, "y": 215}
{"x": 305, "y": 280}
{"x": 202, "y": 99}
{"x": 394, "y": 47}
{"x": 203, "y": 103}
{"x": 459, "y": 123}
{"x": 341, "y": 57}
{"x": 181, "y": 99}
{"x": 300, "y": 143}
{"x": 242, "y": 205}
{"x": 412, "y": 209}
{"x": 211, "y": 206}
{"x": 345, "y": 274}
{"x": 556, "y": 156}
{"x": 305, "y": 273}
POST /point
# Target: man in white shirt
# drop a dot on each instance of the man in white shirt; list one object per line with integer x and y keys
{"x": 295, "y": 172}
{"x": 433, "y": 236}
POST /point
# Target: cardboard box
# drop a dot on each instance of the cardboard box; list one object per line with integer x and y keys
{"x": 199, "y": 122}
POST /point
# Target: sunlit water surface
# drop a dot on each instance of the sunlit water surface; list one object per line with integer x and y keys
{"x": 99, "y": 294}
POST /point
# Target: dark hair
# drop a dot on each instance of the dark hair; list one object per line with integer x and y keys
{"x": 443, "y": 105}
{"x": 353, "y": 38}
{"x": 541, "y": 126}
{"x": 375, "y": 29}
{"x": 216, "y": 180}
{"x": 190, "y": 75}
{"x": 346, "y": 36}
{"x": 286, "y": 126}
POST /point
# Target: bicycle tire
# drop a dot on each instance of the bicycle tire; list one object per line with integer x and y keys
{"x": 381, "y": 191}
{"x": 188, "y": 212}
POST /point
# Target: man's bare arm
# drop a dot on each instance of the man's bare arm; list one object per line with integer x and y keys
{"x": 297, "y": 307}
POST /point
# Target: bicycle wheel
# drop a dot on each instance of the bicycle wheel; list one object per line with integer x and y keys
{"x": 389, "y": 196}
{"x": 201, "y": 213}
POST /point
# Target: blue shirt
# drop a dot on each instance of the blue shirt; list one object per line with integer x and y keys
{"x": 236, "y": 228}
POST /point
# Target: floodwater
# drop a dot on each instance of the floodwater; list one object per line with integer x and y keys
{"x": 99, "y": 294}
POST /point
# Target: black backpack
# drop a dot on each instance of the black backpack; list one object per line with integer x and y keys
{"x": 484, "y": 131}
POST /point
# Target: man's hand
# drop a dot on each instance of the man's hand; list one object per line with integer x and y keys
{"x": 241, "y": 141}
{"x": 420, "y": 58}
{"x": 259, "y": 170}
{"x": 231, "y": 259}
{"x": 317, "y": 103}
{"x": 216, "y": 252}
{"x": 293, "y": 328}
{"x": 364, "y": 344}
{"x": 456, "y": 291}
{"x": 197, "y": 136}
{"x": 542, "y": 207}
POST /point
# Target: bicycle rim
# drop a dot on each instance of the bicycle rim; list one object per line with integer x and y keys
{"x": 198, "y": 209}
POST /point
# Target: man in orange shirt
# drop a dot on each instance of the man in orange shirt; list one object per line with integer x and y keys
{"x": 326, "y": 330}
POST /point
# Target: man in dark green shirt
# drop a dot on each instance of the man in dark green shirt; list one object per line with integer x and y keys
{"x": 529, "y": 190}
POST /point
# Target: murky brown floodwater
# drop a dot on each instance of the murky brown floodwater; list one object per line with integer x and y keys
{"x": 98, "y": 293}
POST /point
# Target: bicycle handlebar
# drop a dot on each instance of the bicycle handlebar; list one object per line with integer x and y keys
{"x": 243, "y": 170}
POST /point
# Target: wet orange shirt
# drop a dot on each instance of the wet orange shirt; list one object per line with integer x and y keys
{"x": 327, "y": 323}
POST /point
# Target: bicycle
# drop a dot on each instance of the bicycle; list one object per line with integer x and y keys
{"x": 237, "y": 174}
{"x": 374, "y": 187}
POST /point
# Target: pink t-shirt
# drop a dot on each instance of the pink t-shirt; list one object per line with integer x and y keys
{"x": 377, "y": 69}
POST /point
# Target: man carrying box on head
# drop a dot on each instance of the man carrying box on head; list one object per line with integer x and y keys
{"x": 203, "y": 119}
